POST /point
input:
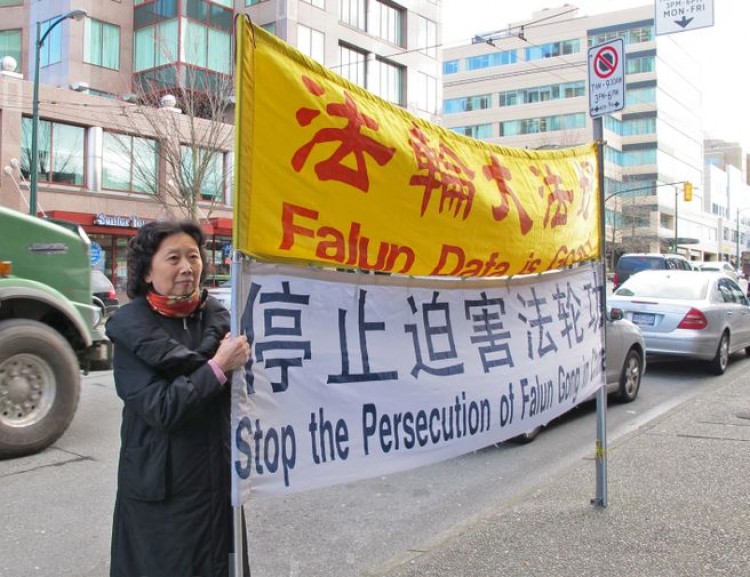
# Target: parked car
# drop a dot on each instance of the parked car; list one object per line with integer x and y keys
{"x": 223, "y": 292}
{"x": 626, "y": 363}
{"x": 105, "y": 295}
{"x": 631, "y": 263}
{"x": 727, "y": 269}
{"x": 686, "y": 314}
{"x": 721, "y": 266}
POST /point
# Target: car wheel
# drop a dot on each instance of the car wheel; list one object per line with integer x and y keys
{"x": 630, "y": 378}
{"x": 719, "y": 363}
{"x": 39, "y": 387}
{"x": 526, "y": 437}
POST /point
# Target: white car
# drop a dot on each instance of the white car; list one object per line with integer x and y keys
{"x": 223, "y": 293}
{"x": 727, "y": 269}
{"x": 721, "y": 266}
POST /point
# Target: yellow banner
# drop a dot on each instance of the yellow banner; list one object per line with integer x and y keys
{"x": 328, "y": 173}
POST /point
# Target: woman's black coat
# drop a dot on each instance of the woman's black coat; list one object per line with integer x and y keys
{"x": 173, "y": 515}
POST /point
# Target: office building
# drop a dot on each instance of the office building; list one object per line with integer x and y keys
{"x": 526, "y": 86}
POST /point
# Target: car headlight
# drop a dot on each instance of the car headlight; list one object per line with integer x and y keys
{"x": 97, "y": 316}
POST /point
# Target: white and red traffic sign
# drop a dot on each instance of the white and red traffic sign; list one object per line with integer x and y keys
{"x": 606, "y": 78}
{"x": 682, "y": 15}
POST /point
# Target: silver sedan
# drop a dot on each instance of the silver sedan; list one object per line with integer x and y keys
{"x": 626, "y": 363}
{"x": 626, "y": 357}
{"x": 702, "y": 315}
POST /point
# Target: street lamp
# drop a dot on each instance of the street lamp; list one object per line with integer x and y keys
{"x": 34, "y": 166}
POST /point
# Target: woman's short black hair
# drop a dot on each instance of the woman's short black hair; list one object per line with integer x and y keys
{"x": 146, "y": 243}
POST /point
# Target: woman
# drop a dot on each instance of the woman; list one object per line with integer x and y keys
{"x": 173, "y": 356}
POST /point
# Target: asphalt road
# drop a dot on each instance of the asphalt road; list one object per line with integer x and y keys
{"x": 57, "y": 505}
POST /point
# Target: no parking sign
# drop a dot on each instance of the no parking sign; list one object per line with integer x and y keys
{"x": 606, "y": 78}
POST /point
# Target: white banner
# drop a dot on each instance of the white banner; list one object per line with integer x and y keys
{"x": 354, "y": 375}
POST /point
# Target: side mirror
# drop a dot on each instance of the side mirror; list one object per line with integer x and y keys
{"x": 616, "y": 314}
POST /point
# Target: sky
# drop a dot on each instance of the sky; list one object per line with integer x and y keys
{"x": 720, "y": 50}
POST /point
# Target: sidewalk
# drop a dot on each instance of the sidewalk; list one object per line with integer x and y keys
{"x": 679, "y": 505}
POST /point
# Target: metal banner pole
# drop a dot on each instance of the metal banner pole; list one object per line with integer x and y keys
{"x": 601, "y": 396}
{"x": 236, "y": 275}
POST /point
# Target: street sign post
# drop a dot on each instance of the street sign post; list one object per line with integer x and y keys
{"x": 606, "y": 78}
{"x": 682, "y": 15}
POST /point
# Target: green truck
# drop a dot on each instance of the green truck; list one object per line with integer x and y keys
{"x": 51, "y": 329}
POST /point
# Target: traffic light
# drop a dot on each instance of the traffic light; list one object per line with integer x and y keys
{"x": 687, "y": 191}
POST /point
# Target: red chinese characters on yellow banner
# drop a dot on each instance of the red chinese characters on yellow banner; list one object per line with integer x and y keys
{"x": 329, "y": 174}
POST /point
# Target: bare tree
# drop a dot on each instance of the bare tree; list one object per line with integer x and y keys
{"x": 626, "y": 221}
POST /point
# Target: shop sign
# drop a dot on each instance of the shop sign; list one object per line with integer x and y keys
{"x": 117, "y": 220}
{"x": 97, "y": 253}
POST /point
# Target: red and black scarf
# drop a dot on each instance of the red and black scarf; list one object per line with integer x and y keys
{"x": 174, "y": 306}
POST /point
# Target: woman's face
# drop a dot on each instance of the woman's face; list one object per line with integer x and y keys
{"x": 176, "y": 267}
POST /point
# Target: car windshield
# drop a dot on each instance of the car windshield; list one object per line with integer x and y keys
{"x": 665, "y": 286}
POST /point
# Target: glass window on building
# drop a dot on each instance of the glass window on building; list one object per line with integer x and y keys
{"x": 11, "y": 2}
{"x": 451, "y": 67}
{"x": 475, "y": 131}
{"x": 311, "y": 43}
{"x": 210, "y": 14}
{"x": 129, "y": 163}
{"x": 640, "y": 96}
{"x": 10, "y": 45}
{"x": 638, "y": 65}
{"x": 219, "y": 253}
{"x": 426, "y": 93}
{"x": 206, "y": 47}
{"x": 120, "y": 264}
{"x": 390, "y": 82}
{"x": 101, "y": 44}
{"x": 639, "y": 157}
{"x": 51, "y": 50}
{"x": 543, "y": 124}
{"x": 317, "y": 3}
{"x": 149, "y": 13}
{"x": 219, "y": 51}
{"x": 156, "y": 46}
{"x": 203, "y": 170}
{"x": 353, "y": 13}
{"x": 270, "y": 27}
{"x": 195, "y": 43}
{"x": 633, "y": 35}
{"x": 353, "y": 65}
{"x": 641, "y": 34}
{"x": 61, "y": 152}
{"x": 543, "y": 93}
{"x": 426, "y": 36}
{"x": 552, "y": 49}
{"x": 510, "y": 128}
{"x": 508, "y": 98}
{"x": 491, "y": 60}
{"x": 387, "y": 22}
{"x": 638, "y": 126}
{"x": 467, "y": 103}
